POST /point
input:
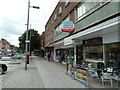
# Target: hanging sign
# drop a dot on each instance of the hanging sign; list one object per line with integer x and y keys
{"x": 68, "y": 26}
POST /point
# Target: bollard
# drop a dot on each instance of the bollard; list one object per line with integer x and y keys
{"x": 27, "y": 58}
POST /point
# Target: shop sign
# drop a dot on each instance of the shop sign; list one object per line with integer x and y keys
{"x": 71, "y": 42}
{"x": 68, "y": 26}
{"x": 68, "y": 42}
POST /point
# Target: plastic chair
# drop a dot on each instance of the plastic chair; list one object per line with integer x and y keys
{"x": 107, "y": 77}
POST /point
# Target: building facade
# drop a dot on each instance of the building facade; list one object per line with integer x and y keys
{"x": 97, "y": 28}
{"x": 96, "y": 36}
{"x": 64, "y": 11}
{"x": 4, "y": 44}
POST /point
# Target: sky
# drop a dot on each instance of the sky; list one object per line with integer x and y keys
{"x": 13, "y": 17}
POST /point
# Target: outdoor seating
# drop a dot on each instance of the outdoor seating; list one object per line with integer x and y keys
{"x": 107, "y": 77}
{"x": 103, "y": 74}
{"x": 116, "y": 75}
{"x": 92, "y": 72}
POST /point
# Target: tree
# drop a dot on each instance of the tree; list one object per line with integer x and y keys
{"x": 35, "y": 40}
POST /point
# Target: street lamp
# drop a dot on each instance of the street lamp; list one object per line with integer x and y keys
{"x": 30, "y": 39}
{"x": 27, "y": 41}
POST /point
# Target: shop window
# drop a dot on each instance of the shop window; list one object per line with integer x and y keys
{"x": 112, "y": 53}
{"x": 94, "y": 53}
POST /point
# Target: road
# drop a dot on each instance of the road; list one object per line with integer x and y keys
{"x": 11, "y": 66}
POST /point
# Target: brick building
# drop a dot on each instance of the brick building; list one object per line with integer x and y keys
{"x": 64, "y": 11}
{"x": 87, "y": 16}
{"x": 4, "y": 44}
{"x": 96, "y": 37}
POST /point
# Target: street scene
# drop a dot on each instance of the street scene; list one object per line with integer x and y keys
{"x": 60, "y": 44}
{"x": 40, "y": 74}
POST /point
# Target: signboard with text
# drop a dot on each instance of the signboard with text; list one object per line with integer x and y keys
{"x": 68, "y": 26}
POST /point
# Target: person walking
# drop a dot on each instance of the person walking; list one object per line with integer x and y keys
{"x": 69, "y": 63}
{"x": 48, "y": 57}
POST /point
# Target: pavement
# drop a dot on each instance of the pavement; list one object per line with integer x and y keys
{"x": 39, "y": 74}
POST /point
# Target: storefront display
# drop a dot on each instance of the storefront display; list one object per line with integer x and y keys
{"x": 112, "y": 54}
{"x": 81, "y": 74}
{"x": 93, "y": 51}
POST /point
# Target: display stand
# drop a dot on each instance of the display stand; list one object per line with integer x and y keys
{"x": 80, "y": 74}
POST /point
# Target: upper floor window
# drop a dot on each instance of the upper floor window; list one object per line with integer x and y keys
{"x": 55, "y": 17}
{"x": 67, "y": 18}
{"x": 67, "y": 2}
{"x": 89, "y": 6}
{"x": 58, "y": 30}
{"x": 60, "y": 9}
{"x": 51, "y": 21}
{"x": 104, "y": 1}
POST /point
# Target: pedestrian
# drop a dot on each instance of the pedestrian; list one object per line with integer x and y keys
{"x": 69, "y": 63}
{"x": 48, "y": 57}
{"x": 66, "y": 63}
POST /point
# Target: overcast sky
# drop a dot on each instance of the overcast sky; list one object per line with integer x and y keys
{"x": 13, "y": 17}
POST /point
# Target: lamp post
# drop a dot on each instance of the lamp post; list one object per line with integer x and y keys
{"x": 27, "y": 41}
{"x": 30, "y": 40}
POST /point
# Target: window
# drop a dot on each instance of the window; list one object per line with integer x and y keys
{"x": 88, "y": 7}
{"x": 79, "y": 11}
{"x": 51, "y": 21}
{"x": 104, "y": 1}
{"x": 67, "y": 18}
{"x": 112, "y": 54}
{"x": 55, "y": 16}
{"x": 60, "y": 10}
{"x": 67, "y": 2}
{"x": 93, "y": 54}
{"x": 58, "y": 30}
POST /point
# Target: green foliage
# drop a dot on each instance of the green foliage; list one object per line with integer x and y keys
{"x": 35, "y": 40}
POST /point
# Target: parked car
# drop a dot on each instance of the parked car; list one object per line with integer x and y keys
{"x": 3, "y": 68}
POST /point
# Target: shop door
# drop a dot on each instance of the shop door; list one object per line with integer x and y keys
{"x": 79, "y": 55}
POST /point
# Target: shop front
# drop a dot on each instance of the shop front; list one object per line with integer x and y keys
{"x": 49, "y": 50}
{"x": 100, "y": 44}
{"x": 93, "y": 51}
